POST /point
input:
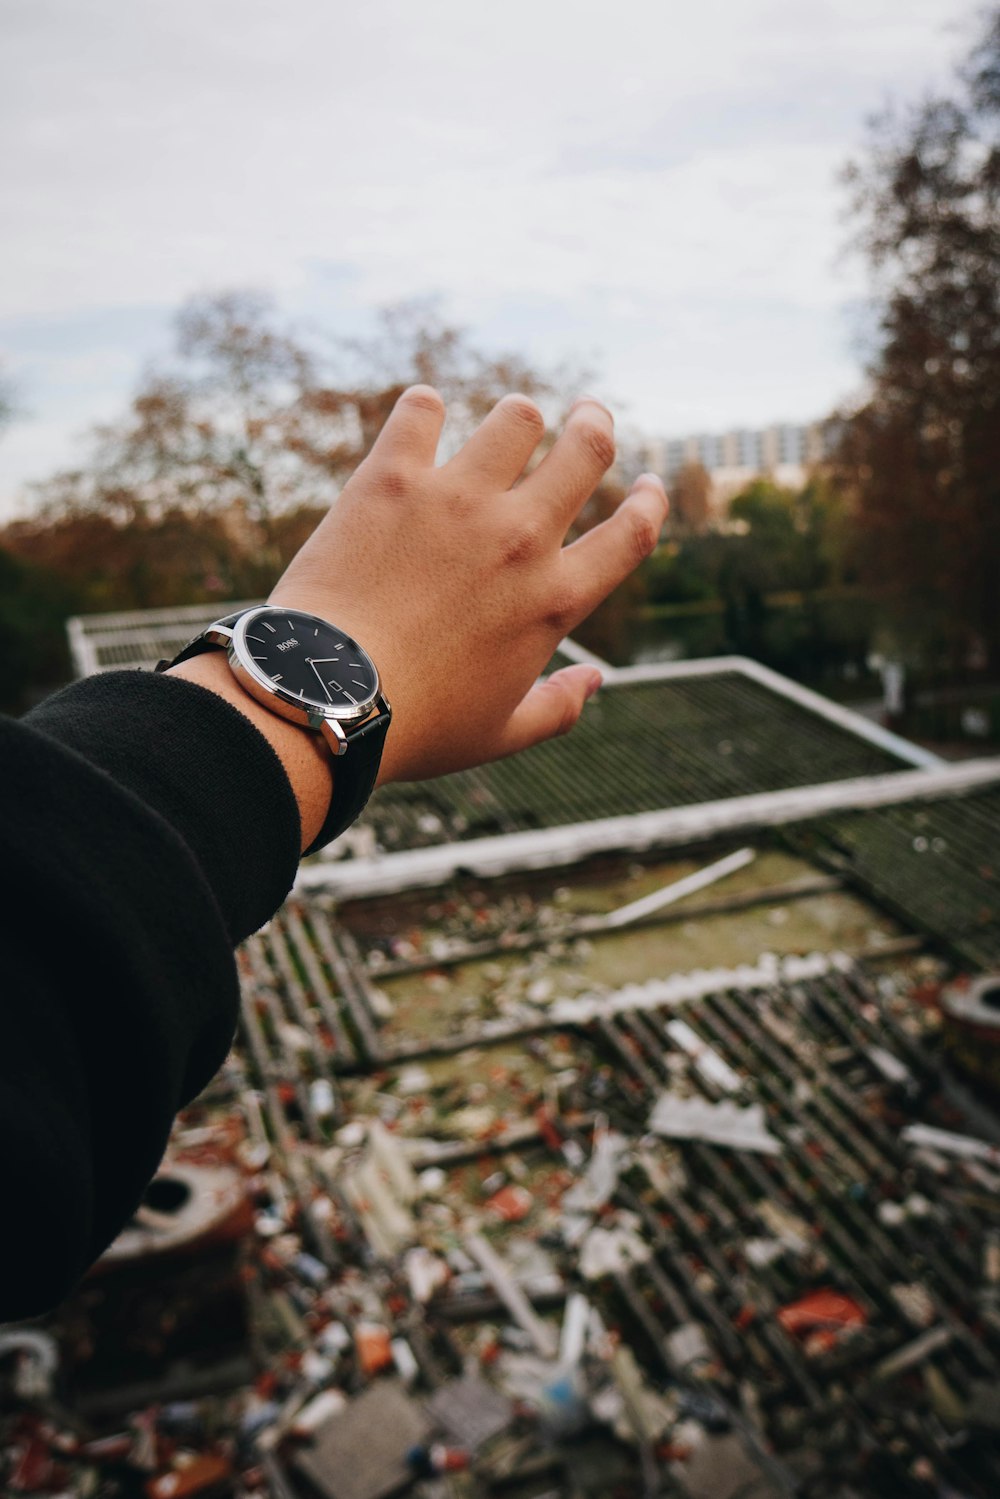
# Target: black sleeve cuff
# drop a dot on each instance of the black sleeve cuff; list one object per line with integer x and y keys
{"x": 198, "y": 762}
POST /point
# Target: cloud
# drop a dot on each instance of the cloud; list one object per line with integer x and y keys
{"x": 612, "y": 166}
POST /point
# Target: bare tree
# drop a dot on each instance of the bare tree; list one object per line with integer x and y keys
{"x": 922, "y": 458}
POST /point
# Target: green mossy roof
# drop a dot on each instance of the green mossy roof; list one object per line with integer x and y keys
{"x": 639, "y": 747}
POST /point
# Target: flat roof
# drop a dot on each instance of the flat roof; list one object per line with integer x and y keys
{"x": 653, "y": 738}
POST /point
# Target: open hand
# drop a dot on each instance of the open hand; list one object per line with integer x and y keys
{"x": 456, "y": 579}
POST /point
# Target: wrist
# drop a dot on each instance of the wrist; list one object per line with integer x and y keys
{"x": 306, "y": 760}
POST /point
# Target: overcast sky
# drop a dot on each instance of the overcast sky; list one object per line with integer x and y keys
{"x": 645, "y": 185}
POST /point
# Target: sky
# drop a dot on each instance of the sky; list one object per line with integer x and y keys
{"x": 644, "y": 187}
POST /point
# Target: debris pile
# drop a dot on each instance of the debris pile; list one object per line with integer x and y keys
{"x": 707, "y": 1234}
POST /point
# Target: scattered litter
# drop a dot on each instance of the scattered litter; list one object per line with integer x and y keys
{"x": 914, "y": 1353}
{"x": 611, "y": 1251}
{"x": 511, "y": 1204}
{"x": 689, "y": 885}
{"x": 892, "y": 1069}
{"x": 722, "y": 1123}
{"x": 470, "y": 1412}
{"x": 709, "y": 1065}
{"x": 823, "y": 1308}
{"x": 361, "y": 1452}
{"x": 915, "y": 1302}
{"x": 513, "y": 1298}
{"x": 946, "y": 1142}
{"x": 426, "y": 1272}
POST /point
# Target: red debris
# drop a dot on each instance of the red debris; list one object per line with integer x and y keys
{"x": 373, "y": 1346}
{"x": 512, "y": 1203}
{"x": 206, "y": 1471}
{"x": 33, "y": 1469}
{"x": 824, "y": 1308}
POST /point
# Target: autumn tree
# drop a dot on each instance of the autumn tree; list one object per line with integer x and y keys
{"x": 224, "y": 459}
{"x": 690, "y": 500}
{"x": 922, "y": 458}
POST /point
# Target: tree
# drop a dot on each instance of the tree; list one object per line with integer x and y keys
{"x": 33, "y": 606}
{"x": 922, "y": 458}
{"x": 690, "y": 500}
{"x": 224, "y": 460}
{"x": 252, "y": 416}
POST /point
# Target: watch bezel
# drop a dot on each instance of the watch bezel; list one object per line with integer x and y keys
{"x": 279, "y": 700}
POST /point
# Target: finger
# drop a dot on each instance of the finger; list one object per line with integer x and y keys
{"x": 568, "y": 475}
{"x": 604, "y": 556}
{"x": 498, "y": 450}
{"x": 551, "y": 707}
{"x": 413, "y": 430}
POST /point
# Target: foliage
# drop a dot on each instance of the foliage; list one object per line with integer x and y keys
{"x": 253, "y": 419}
{"x": 775, "y": 540}
{"x": 225, "y": 461}
{"x": 690, "y": 500}
{"x": 33, "y": 606}
{"x": 776, "y": 583}
{"x": 610, "y": 630}
{"x": 922, "y": 458}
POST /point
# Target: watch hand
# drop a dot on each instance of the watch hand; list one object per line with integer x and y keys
{"x": 320, "y": 680}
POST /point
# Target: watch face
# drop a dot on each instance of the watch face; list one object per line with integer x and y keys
{"x": 308, "y": 661}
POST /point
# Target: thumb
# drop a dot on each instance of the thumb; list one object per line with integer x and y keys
{"x": 551, "y": 707}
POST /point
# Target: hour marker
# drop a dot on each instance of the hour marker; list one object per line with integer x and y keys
{"x": 349, "y": 695}
{"x": 258, "y": 658}
{"x": 357, "y": 683}
{"x": 315, "y": 632}
{"x": 302, "y": 692}
{"x": 276, "y": 677}
{"x": 355, "y": 664}
{"x": 339, "y": 646}
{"x": 290, "y": 625}
{"x": 269, "y": 627}
{"x": 258, "y": 639}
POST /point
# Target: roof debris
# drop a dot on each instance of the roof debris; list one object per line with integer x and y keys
{"x": 523, "y": 1208}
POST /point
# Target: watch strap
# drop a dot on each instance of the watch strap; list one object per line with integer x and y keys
{"x": 355, "y": 771}
{"x": 354, "y": 776}
{"x": 199, "y": 645}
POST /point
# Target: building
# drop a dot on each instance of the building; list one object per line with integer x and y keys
{"x": 786, "y": 452}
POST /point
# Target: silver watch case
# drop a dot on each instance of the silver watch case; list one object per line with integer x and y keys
{"x": 334, "y": 724}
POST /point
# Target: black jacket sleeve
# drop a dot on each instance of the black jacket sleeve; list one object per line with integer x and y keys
{"x": 146, "y": 827}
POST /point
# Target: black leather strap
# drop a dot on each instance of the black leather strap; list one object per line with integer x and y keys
{"x": 354, "y": 772}
{"x": 354, "y": 776}
{"x": 199, "y": 645}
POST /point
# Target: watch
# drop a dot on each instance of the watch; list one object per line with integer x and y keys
{"x": 315, "y": 674}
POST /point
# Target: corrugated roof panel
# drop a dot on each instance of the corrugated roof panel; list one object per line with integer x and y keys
{"x": 639, "y": 747}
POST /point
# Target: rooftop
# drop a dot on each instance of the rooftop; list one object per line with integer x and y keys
{"x": 612, "y": 1129}
{"x": 653, "y": 738}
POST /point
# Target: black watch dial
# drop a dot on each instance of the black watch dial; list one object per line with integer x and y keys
{"x": 309, "y": 661}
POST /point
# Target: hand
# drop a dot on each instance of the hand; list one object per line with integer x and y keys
{"x": 458, "y": 584}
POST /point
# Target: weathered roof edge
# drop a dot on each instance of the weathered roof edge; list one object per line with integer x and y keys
{"x": 803, "y": 697}
{"x": 670, "y": 827}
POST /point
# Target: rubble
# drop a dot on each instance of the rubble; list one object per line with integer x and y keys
{"x": 716, "y": 1123}
{"x": 620, "y": 1229}
{"x": 363, "y": 1451}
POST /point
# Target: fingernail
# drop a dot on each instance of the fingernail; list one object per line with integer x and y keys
{"x": 648, "y": 478}
{"x": 594, "y": 401}
{"x": 595, "y": 682}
